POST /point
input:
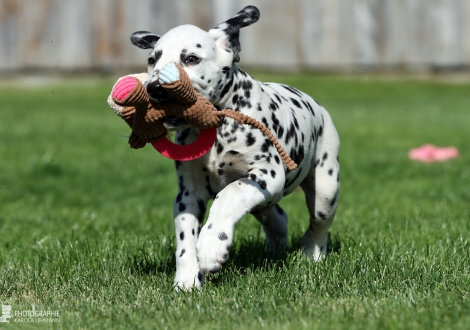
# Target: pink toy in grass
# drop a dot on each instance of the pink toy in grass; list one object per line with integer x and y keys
{"x": 429, "y": 153}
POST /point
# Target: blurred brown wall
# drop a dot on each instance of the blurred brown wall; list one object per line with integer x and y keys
{"x": 341, "y": 35}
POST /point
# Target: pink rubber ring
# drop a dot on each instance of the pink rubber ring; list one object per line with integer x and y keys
{"x": 197, "y": 149}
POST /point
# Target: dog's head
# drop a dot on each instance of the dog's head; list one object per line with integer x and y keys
{"x": 207, "y": 57}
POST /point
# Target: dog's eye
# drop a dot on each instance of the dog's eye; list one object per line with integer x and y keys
{"x": 151, "y": 61}
{"x": 192, "y": 60}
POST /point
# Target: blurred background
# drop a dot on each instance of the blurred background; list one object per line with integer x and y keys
{"x": 294, "y": 35}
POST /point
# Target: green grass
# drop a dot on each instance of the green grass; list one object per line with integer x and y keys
{"x": 86, "y": 223}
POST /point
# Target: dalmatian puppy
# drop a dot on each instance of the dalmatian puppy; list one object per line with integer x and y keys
{"x": 242, "y": 172}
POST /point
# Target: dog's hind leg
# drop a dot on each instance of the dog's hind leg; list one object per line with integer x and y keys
{"x": 321, "y": 188}
{"x": 274, "y": 221}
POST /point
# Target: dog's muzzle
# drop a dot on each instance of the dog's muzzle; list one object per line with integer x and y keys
{"x": 159, "y": 95}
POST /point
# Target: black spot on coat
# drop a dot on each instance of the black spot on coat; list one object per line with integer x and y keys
{"x": 262, "y": 184}
{"x": 292, "y": 90}
{"x": 219, "y": 148}
{"x": 296, "y": 103}
{"x": 250, "y": 139}
{"x": 266, "y": 145}
{"x": 223, "y": 236}
{"x": 202, "y": 211}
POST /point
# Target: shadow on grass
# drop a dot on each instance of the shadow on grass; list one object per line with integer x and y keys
{"x": 251, "y": 257}
{"x": 247, "y": 255}
{"x": 148, "y": 262}
{"x": 143, "y": 265}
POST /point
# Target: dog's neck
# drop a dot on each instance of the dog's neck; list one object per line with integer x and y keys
{"x": 237, "y": 83}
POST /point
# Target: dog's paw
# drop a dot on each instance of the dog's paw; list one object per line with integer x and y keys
{"x": 169, "y": 73}
{"x": 187, "y": 282}
{"x": 212, "y": 250}
{"x": 314, "y": 247}
{"x": 276, "y": 245}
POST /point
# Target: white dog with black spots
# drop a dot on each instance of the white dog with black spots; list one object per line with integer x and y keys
{"x": 242, "y": 172}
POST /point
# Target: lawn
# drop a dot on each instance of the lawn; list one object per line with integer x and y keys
{"x": 86, "y": 224}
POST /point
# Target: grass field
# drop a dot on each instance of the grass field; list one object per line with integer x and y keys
{"x": 86, "y": 223}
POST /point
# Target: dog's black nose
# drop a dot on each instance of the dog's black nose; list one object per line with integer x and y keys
{"x": 156, "y": 91}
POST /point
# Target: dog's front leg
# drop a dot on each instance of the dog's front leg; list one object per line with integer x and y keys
{"x": 230, "y": 205}
{"x": 189, "y": 211}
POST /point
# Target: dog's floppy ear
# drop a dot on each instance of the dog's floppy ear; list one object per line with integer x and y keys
{"x": 144, "y": 39}
{"x": 229, "y": 31}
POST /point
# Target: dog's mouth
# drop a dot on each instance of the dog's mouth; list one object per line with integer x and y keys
{"x": 158, "y": 94}
{"x": 174, "y": 123}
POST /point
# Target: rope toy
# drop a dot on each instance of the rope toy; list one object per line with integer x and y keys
{"x": 130, "y": 100}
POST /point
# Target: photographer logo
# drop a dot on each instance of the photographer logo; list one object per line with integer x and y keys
{"x": 28, "y": 316}
{"x": 6, "y": 314}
